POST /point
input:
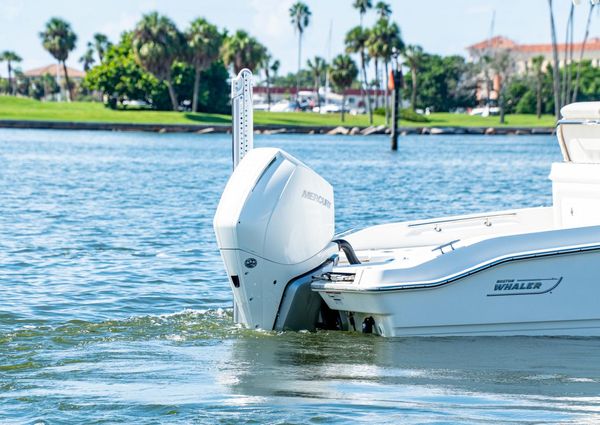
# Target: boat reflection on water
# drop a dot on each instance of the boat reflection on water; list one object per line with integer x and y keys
{"x": 450, "y": 379}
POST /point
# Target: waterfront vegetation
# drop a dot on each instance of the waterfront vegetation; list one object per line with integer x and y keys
{"x": 12, "y": 108}
{"x": 162, "y": 68}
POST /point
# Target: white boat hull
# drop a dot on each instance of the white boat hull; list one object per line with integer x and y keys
{"x": 532, "y": 271}
{"x": 557, "y": 295}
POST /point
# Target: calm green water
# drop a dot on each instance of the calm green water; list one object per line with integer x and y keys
{"x": 114, "y": 305}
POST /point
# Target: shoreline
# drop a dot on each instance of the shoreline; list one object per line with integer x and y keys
{"x": 272, "y": 129}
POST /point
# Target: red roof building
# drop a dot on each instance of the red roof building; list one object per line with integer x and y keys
{"x": 56, "y": 71}
{"x": 524, "y": 53}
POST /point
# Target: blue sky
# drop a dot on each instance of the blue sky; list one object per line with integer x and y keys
{"x": 444, "y": 27}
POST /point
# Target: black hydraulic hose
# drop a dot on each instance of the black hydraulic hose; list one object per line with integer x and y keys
{"x": 345, "y": 246}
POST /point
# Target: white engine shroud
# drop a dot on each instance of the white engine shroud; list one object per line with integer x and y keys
{"x": 274, "y": 222}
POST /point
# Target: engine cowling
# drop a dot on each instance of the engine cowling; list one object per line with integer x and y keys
{"x": 274, "y": 223}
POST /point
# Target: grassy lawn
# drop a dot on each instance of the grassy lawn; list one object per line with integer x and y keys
{"x": 12, "y": 108}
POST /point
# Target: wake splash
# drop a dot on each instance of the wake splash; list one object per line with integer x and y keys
{"x": 186, "y": 325}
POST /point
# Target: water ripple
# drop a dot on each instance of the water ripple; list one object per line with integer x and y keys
{"x": 115, "y": 306}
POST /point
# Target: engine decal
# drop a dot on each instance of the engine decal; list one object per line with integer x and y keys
{"x": 317, "y": 198}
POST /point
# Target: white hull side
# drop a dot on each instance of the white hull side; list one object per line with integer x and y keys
{"x": 472, "y": 306}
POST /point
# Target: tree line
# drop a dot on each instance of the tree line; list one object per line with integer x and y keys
{"x": 168, "y": 68}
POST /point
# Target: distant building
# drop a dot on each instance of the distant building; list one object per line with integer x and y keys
{"x": 354, "y": 98}
{"x": 56, "y": 71}
{"x": 523, "y": 55}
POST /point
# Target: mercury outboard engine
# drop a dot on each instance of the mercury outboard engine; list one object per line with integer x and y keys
{"x": 274, "y": 227}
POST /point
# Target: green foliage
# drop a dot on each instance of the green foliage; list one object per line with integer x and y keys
{"x": 362, "y": 6}
{"x": 4, "y": 86}
{"x": 413, "y": 56}
{"x": 406, "y": 114}
{"x": 384, "y": 10}
{"x": 300, "y": 16}
{"x": 445, "y": 83}
{"x": 356, "y": 40}
{"x": 383, "y": 39}
{"x": 304, "y": 78}
{"x": 343, "y": 72}
{"x": 101, "y": 44}
{"x": 240, "y": 50}
{"x": 521, "y": 93}
{"x": 43, "y": 86}
{"x": 526, "y": 104}
{"x": 589, "y": 86}
{"x": 58, "y": 38}
{"x": 157, "y": 44}
{"x": 35, "y": 87}
{"x": 317, "y": 67}
{"x": 213, "y": 93}
{"x": 87, "y": 59}
{"x": 514, "y": 93}
{"x": 202, "y": 50}
{"x": 9, "y": 56}
{"x": 22, "y": 83}
{"x": 119, "y": 78}
{"x": 203, "y": 43}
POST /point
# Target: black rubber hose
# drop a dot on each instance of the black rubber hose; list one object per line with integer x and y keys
{"x": 345, "y": 246}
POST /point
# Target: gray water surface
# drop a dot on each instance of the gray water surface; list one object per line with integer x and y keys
{"x": 115, "y": 307}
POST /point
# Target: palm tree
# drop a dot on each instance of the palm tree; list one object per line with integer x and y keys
{"x": 317, "y": 67}
{"x": 22, "y": 83}
{"x": 555, "y": 71}
{"x": 101, "y": 44}
{"x": 356, "y": 42}
{"x": 362, "y": 6}
{"x": 269, "y": 65}
{"x": 59, "y": 40}
{"x": 49, "y": 84}
{"x": 157, "y": 44}
{"x": 88, "y": 58}
{"x": 204, "y": 42}
{"x": 242, "y": 51}
{"x": 10, "y": 57}
{"x": 585, "y": 38}
{"x": 383, "y": 40}
{"x": 376, "y": 49}
{"x": 414, "y": 57}
{"x": 275, "y": 67}
{"x": 537, "y": 64}
{"x": 300, "y": 18}
{"x": 503, "y": 64}
{"x": 384, "y": 10}
{"x": 343, "y": 73}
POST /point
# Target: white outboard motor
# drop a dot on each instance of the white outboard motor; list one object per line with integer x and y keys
{"x": 274, "y": 227}
{"x": 274, "y": 224}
